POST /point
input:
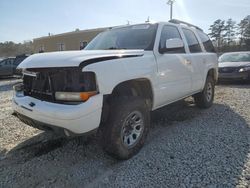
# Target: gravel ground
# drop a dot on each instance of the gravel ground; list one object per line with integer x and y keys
{"x": 187, "y": 147}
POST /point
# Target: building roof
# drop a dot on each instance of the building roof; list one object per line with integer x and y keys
{"x": 73, "y": 32}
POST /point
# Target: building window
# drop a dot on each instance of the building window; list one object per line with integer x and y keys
{"x": 41, "y": 49}
{"x": 83, "y": 44}
{"x": 61, "y": 47}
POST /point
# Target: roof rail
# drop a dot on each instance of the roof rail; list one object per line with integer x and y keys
{"x": 175, "y": 21}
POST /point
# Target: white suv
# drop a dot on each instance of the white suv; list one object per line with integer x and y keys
{"x": 113, "y": 84}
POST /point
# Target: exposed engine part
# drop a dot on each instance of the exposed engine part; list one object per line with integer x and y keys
{"x": 44, "y": 82}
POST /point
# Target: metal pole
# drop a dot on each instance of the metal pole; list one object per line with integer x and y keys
{"x": 171, "y": 11}
{"x": 170, "y": 3}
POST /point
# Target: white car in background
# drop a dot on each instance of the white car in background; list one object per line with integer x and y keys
{"x": 234, "y": 66}
{"x": 114, "y": 83}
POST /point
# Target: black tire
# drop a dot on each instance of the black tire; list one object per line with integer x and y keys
{"x": 112, "y": 131}
{"x": 205, "y": 98}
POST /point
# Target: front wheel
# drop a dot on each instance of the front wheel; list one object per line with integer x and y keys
{"x": 205, "y": 98}
{"x": 125, "y": 131}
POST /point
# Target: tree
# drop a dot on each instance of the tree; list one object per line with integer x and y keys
{"x": 217, "y": 30}
{"x": 10, "y": 48}
{"x": 244, "y": 32}
{"x": 230, "y": 31}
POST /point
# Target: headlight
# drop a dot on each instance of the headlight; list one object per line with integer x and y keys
{"x": 18, "y": 89}
{"x": 74, "y": 96}
{"x": 244, "y": 69}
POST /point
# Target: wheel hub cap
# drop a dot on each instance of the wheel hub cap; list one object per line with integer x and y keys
{"x": 132, "y": 129}
{"x": 209, "y": 91}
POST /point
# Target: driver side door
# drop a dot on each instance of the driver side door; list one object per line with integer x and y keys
{"x": 174, "y": 68}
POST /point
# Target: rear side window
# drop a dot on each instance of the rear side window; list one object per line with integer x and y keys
{"x": 192, "y": 41}
{"x": 170, "y": 32}
{"x": 207, "y": 43}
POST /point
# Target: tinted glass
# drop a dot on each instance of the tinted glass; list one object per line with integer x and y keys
{"x": 237, "y": 57}
{"x": 192, "y": 41}
{"x": 130, "y": 37}
{"x": 18, "y": 60}
{"x": 170, "y": 32}
{"x": 83, "y": 45}
{"x": 207, "y": 43}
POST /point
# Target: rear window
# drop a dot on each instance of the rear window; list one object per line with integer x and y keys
{"x": 207, "y": 43}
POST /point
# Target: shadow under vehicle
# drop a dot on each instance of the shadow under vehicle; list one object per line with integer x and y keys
{"x": 214, "y": 149}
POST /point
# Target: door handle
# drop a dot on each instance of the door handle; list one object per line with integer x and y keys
{"x": 187, "y": 62}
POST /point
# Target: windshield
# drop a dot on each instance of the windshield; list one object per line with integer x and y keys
{"x": 237, "y": 57}
{"x": 130, "y": 37}
{"x": 18, "y": 60}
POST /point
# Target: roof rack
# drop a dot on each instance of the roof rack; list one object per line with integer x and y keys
{"x": 175, "y": 21}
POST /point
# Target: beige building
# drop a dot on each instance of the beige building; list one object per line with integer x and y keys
{"x": 75, "y": 40}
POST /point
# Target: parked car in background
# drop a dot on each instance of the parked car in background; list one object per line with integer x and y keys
{"x": 234, "y": 66}
{"x": 8, "y": 66}
{"x": 17, "y": 61}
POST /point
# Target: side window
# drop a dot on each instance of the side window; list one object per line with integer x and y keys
{"x": 192, "y": 41}
{"x": 83, "y": 44}
{"x": 169, "y": 32}
{"x": 207, "y": 43}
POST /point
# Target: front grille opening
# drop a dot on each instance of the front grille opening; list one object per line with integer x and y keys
{"x": 228, "y": 69}
{"x": 45, "y": 82}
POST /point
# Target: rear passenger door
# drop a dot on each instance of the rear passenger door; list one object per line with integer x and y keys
{"x": 196, "y": 57}
{"x": 210, "y": 57}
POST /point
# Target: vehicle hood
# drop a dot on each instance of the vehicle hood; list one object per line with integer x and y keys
{"x": 74, "y": 58}
{"x": 233, "y": 64}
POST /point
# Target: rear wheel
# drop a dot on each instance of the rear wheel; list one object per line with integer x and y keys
{"x": 205, "y": 98}
{"x": 125, "y": 131}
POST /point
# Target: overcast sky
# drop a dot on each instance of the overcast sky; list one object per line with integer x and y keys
{"x": 27, "y": 19}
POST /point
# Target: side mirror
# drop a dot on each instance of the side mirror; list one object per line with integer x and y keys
{"x": 174, "y": 43}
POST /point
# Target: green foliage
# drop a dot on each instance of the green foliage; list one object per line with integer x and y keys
{"x": 230, "y": 31}
{"x": 11, "y": 49}
{"x": 217, "y": 28}
{"x": 229, "y": 36}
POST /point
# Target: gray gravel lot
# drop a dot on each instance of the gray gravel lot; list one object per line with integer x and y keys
{"x": 187, "y": 147}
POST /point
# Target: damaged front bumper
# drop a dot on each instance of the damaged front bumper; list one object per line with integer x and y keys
{"x": 75, "y": 119}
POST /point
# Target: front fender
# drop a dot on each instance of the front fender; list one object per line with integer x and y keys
{"x": 113, "y": 72}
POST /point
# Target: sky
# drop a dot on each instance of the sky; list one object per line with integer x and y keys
{"x": 22, "y": 20}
